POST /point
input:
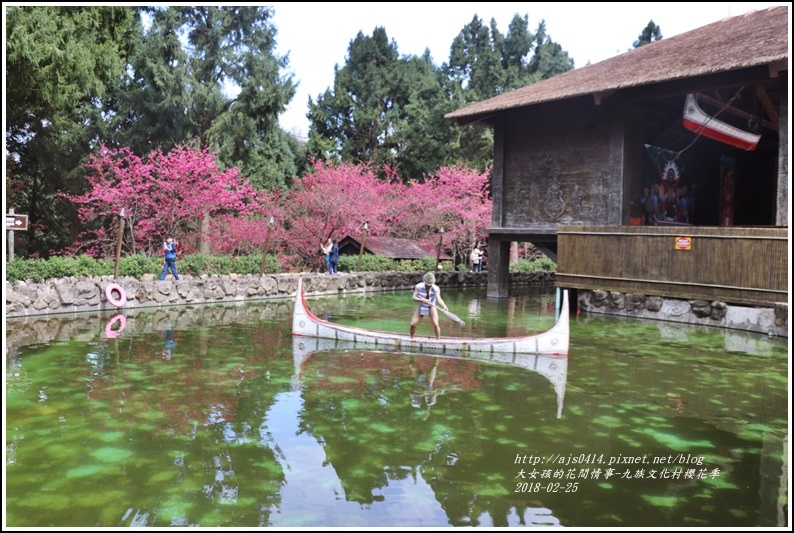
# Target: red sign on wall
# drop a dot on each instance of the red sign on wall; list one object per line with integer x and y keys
{"x": 683, "y": 243}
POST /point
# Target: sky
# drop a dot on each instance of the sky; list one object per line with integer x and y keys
{"x": 317, "y": 35}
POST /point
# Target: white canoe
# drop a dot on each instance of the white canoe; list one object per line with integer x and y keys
{"x": 551, "y": 342}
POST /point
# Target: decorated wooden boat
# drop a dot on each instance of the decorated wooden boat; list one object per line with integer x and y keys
{"x": 696, "y": 120}
{"x": 551, "y": 342}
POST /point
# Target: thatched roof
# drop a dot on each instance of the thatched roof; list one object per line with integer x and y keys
{"x": 753, "y": 39}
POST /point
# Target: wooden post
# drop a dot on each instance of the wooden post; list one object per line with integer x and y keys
{"x": 363, "y": 242}
{"x": 440, "y": 240}
{"x": 118, "y": 243}
{"x": 267, "y": 245}
{"x": 11, "y": 239}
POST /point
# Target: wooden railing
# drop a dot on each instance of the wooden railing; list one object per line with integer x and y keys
{"x": 739, "y": 265}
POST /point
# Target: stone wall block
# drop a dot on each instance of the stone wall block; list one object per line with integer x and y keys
{"x": 675, "y": 307}
{"x": 718, "y": 310}
{"x": 229, "y": 287}
{"x": 40, "y": 302}
{"x": 268, "y": 284}
{"x": 141, "y": 295}
{"x": 164, "y": 287}
{"x": 617, "y": 300}
{"x": 634, "y": 302}
{"x": 287, "y": 285}
{"x": 600, "y": 297}
{"x": 159, "y": 297}
{"x": 781, "y": 315}
{"x": 65, "y": 293}
{"x": 700, "y": 308}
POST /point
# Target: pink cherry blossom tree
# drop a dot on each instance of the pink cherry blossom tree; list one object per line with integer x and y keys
{"x": 170, "y": 193}
{"x": 335, "y": 200}
{"x": 455, "y": 199}
{"x": 160, "y": 194}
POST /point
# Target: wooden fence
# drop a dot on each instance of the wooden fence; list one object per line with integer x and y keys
{"x": 740, "y": 265}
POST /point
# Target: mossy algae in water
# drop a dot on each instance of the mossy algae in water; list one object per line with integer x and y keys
{"x": 111, "y": 455}
{"x": 85, "y": 471}
{"x": 667, "y": 502}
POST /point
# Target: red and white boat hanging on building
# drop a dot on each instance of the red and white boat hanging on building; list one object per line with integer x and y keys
{"x": 696, "y": 120}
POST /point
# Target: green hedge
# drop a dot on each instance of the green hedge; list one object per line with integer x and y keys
{"x": 544, "y": 263}
{"x": 378, "y": 263}
{"x": 37, "y": 270}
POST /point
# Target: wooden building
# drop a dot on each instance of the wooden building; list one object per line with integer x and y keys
{"x": 612, "y": 168}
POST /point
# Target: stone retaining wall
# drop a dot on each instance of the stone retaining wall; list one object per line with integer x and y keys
{"x": 72, "y": 295}
{"x": 768, "y": 320}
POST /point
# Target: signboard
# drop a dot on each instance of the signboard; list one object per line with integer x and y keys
{"x": 17, "y": 222}
{"x": 683, "y": 243}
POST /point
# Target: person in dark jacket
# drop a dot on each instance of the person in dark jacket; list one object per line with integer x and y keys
{"x": 333, "y": 258}
{"x": 169, "y": 247}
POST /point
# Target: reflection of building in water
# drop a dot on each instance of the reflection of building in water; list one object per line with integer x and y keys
{"x": 474, "y": 308}
{"x": 775, "y": 479}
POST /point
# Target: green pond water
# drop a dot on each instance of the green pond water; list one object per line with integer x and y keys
{"x": 214, "y": 416}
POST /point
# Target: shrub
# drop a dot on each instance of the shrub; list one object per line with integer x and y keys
{"x": 38, "y": 270}
{"x": 369, "y": 263}
{"x": 195, "y": 265}
{"x": 544, "y": 263}
{"x": 426, "y": 264}
{"x": 139, "y": 264}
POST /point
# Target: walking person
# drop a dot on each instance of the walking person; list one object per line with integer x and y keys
{"x": 333, "y": 258}
{"x": 169, "y": 247}
{"x": 427, "y": 294}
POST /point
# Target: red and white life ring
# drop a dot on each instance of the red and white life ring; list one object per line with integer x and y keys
{"x": 122, "y": 299}
{"x": 111, "y": 333}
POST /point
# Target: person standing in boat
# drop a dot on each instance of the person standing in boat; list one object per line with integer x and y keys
{"x": 427, "y": 294}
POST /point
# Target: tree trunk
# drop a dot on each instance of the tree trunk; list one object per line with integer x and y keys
{"x": 204, "y": 234}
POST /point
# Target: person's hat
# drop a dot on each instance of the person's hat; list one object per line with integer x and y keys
{"x": 429, "y": 278}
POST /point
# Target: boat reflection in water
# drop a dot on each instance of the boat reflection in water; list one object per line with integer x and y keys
{"x": 552, "y": 367}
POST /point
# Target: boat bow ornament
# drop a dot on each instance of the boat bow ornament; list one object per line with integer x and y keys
{"x": 696, "y": 120}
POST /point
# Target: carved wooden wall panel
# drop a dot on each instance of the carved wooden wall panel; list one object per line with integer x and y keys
{"x": 559, "y": 168}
